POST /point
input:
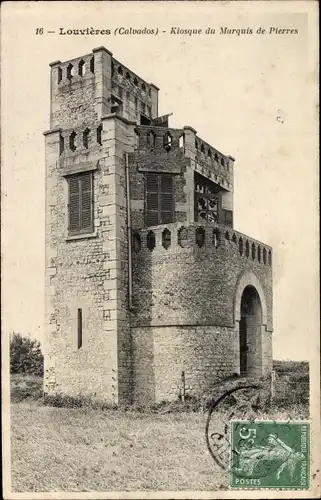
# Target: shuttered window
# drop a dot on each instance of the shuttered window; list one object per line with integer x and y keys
{"x": 159, "y": 199}
{"x": 80, "y": 203}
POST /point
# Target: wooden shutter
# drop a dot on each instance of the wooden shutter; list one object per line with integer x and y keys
{"x": 159, "y": 199}
{"x": 166, "y": 194}
{"x": 152, "y": 200}
{"x": 86, "y": 214}
{"x": 74, "y": 204}
{"x": 80, "y": 203}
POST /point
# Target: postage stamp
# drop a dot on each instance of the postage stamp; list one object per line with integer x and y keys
{"x": 270, "y": 454}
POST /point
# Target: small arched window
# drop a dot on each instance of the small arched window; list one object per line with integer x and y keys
{"x": 81, "y": 67}
{"x": 72, "y": 141}
{"x": 209, "y": 153}
{"x": 181, "y": 141}
{"x": 69, "y": 71}
{"x": 92, "y": 65}
{"x": 253, "y": 251}
{"x": 143, "y": 87}
{"x": 61, "y": 144}
{"x": 85, "y": 138}
{"x": 264, "y": 256}
{"x": 241, "y": 246}
{"x": 196, "y": 145}
{"x": 59, "y": 74}
{"x": 247, "y": 249}
{"x": 200, "y": 236}
{"x": 135, "y": 81}
{"x": 166, "y": 238}
{"x": 151, "y": 240}
{"x": 167, "y": 141}
{"x": 259, "y": 253}
{"x": 127, "y": 76}
{"x": 99, "y": 134}
{"x": 216, "y": 157}
{"x": 137, "y": 136}
{"x": 234, "y": 239}
{"x": 120, "y": 70}
{"x": 227, "y": 236}
{"x": 202, "y": 148}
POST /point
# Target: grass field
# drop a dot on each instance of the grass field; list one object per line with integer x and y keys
{"x": 82, "y": 449}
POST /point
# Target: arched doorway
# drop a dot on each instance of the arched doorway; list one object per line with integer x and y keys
{"x": 250, "y": 331}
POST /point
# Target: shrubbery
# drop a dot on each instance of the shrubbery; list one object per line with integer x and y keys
{"x": 25, "y": 355}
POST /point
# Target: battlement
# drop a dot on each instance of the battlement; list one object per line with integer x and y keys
{"x": 177, "y": 237}
{"x": 95, "y": 85}
{"x": 188, "y": 273}
{"x": 74, "y": 70}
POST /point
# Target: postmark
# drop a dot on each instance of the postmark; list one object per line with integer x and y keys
{"x": 269, "y": 454}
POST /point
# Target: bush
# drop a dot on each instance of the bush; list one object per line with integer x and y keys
{"x": 25, "y": 355}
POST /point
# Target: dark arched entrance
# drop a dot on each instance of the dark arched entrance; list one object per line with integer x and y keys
{"x": 250, "y": 333}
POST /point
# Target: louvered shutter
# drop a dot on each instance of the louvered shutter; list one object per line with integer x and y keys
{"x": 80, "y": 203}
{"x": 166, "y": 194}
{"x": 74, "y": 204}
{"x": 152, "y": 200}
{"x": 86, "y": 202}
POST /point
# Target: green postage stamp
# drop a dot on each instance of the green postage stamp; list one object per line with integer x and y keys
{"x": 270, "y": 454}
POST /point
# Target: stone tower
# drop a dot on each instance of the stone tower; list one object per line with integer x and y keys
{"x": 147, "y": 282}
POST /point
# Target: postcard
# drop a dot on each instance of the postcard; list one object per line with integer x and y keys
{"x": 160, "y": 298}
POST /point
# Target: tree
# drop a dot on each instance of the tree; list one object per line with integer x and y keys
{"x": 25, "y": 355}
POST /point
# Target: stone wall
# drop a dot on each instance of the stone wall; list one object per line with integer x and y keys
{"x": 154, "y": 158}
{"x": 192, "y": 285}
{"x": 160, "y": 354}
{"x": 88, "y": 272}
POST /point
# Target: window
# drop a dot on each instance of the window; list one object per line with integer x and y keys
{"x": 99, "y": 134}
{"x": 92, "y": 65}
{"x": 72, "y": 141}
{"x": 167, "y": 141}
{"x": 61, "y": 144}
{"x": 85, "y": 138}
{"x": 80, "y": 203}
{"x": 79, "y": 328}
{"x": 206, "y": 200}
{"x": 81, "y": 67}
{"x": 59, "y": 75}
{"x": 159, "y": 199}
{"x": 200, "y": 236}
{"x": 69, "y": 71}
{"x": 166, "y": 238}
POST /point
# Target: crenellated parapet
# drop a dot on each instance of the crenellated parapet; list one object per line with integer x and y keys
{"x": 127, "y": 85}
{"x": 187, "y": 274}
{"x": 209, "y": 237}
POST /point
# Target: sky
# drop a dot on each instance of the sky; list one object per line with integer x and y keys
{"x": 251, "y": 96}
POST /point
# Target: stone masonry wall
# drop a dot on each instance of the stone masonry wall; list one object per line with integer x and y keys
{"x": 160, "y": 355}
{"x": 193, "y": 285}
{"x": 88, "y": 272}
{"x": 154, "y": 158}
